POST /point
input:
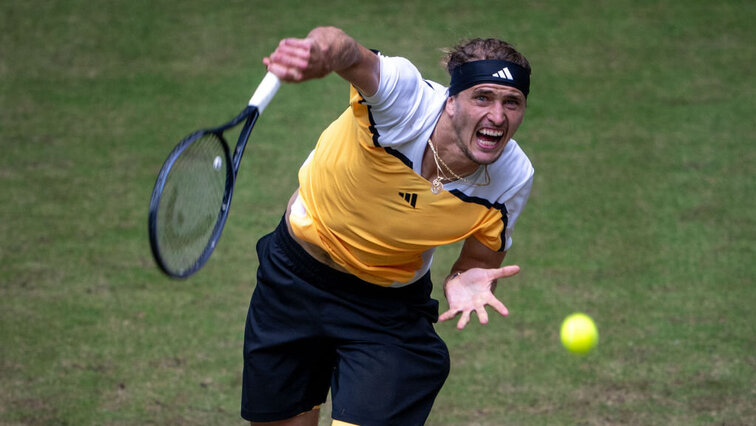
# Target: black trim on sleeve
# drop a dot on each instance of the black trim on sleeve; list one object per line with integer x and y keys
{"x": 483, "y": 202}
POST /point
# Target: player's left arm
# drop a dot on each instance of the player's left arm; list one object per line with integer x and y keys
{"x": 471, "y": 283}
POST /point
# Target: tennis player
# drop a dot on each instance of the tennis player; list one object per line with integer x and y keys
{"x": 342, "y": 300}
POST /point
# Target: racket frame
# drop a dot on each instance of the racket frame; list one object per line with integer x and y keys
{"x": 259, "y": 101}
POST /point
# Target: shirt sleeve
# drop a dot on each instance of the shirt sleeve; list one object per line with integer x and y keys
{"x": 399, "y": 108}
{"x": 515, "y": 206}
{"x": 514, "y": 174}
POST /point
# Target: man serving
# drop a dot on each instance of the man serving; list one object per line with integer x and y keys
{"x": 342, "y": 301}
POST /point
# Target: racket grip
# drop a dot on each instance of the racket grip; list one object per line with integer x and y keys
{"x": 265, "y": 91}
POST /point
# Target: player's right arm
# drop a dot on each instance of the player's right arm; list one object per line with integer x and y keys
{"x": 326, "y": 50}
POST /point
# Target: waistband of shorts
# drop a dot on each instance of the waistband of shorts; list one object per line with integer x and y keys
{"x": 330, "y": 279}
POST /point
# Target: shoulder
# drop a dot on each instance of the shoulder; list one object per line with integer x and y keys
{"x": 513, "y": 170}
{"x": 400, "y": 77}
{"x": 406, "y": 107}
{"x": 513, "y": 166}
{"x": 514, "y": 161}
{"x": 510, "y": 176}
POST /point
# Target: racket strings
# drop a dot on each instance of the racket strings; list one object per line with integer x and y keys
{"x": 192, "y": 202}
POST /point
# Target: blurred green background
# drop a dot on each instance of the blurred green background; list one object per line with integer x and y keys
{"x": 640, "y": 127}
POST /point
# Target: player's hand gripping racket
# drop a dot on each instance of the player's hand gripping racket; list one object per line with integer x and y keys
{"x": 192, "y": 195}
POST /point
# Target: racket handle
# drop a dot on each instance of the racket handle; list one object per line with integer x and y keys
{"x": 265, "y": 91}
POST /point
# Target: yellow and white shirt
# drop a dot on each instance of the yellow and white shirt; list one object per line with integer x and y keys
{"x": 362, "y": 197}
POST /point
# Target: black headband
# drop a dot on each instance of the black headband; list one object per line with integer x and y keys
{"x": 489, "y": 71}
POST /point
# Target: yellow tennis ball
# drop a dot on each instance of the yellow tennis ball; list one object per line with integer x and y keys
{"x": 579, "y": 334}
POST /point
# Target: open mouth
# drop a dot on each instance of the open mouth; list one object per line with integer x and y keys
{"x": 489, "y": 138}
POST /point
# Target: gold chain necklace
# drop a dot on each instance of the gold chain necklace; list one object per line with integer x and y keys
{"x": 437, "y": 185}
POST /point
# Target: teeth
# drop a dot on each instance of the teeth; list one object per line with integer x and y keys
{"x": 492, "y": 133}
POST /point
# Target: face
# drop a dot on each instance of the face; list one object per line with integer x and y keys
{"x": 484, "y": 117}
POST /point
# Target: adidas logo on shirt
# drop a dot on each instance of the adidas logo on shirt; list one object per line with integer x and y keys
{"x": 504, "y": 73}
{"x": 409, "y": 197}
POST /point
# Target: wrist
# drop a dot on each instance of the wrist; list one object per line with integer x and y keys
{"x": 452, "y": 276}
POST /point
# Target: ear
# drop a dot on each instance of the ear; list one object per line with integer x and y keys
{"x": 450, "y": 105}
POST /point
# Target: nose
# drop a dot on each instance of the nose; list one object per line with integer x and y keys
{"x": 497, "y": 115}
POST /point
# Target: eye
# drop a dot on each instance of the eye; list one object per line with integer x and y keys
{"x": 512, "y": 103}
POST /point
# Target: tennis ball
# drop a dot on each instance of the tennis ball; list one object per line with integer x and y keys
{"x": 579, "y": 334}
{"x": 217, "y": 163}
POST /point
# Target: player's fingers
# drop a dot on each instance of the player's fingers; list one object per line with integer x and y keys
{"x": 304, "y": 49}
{"x": 296, "y": 42}
{"x": 289, "y": 58}
{"x": 482, "y": 314}
{"x": 499, "y": 307}
{"x": 463, "y": 320}
{"x": 448, "y": 315}
{"x": 292, "y": 52}
{"x": 505, "y": 272}
{"x": 284, "y": 73}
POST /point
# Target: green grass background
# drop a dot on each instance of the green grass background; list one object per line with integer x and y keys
{"x": 640, "y": 126}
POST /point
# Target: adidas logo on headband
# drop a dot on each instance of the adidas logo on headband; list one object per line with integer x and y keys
{"x": 503, "y": 73}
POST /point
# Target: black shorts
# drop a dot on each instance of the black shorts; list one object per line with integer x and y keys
{"x": 311, "y": 328}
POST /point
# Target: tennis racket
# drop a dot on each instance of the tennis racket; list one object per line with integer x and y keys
{"x": 192, "y": 195}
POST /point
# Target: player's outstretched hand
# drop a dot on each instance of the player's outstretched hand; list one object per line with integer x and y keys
{"x": 297, "y": 60}
{"x": 471, "y": 291}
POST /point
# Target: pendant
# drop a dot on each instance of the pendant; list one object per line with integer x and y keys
{"x": 437, "y": 186}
